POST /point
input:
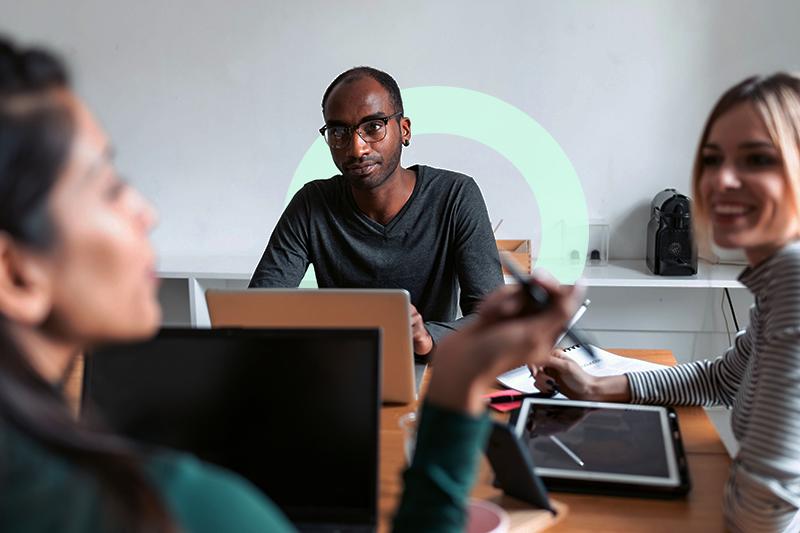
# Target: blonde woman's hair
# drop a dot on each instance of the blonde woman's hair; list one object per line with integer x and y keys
{"x": 776, "y": 99}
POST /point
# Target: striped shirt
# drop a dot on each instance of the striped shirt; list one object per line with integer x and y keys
{"x": 759, "y": 378}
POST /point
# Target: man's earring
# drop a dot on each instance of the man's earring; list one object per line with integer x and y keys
{"x": 406, "y": 142}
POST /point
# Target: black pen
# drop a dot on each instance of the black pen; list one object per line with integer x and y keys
{"x": 539, "y": 300}
{"x": 509, "y": 398}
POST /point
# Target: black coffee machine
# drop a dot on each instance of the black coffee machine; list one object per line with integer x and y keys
{"x": 671, "y": 250}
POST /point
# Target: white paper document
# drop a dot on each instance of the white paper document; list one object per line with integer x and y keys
{"x": 606, "y": 364}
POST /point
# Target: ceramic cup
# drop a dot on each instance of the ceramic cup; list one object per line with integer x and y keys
{"x": 486, "y": 517}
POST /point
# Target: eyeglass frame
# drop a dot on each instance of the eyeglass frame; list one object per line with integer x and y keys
{"x": 351, "y": 129}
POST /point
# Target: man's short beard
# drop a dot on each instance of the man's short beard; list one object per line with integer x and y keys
{"x": 373, "y": 182}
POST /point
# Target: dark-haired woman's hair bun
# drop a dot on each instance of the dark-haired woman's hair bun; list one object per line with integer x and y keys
{"x": 28, "y": 70}
{"x": 34, "y": 139}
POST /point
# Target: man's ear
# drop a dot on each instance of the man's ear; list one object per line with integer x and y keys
{"x": 25, "y": 284}
{"x": 405, "y": 130}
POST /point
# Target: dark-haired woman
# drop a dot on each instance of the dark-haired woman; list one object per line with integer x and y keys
{"x": 76, "y": 268}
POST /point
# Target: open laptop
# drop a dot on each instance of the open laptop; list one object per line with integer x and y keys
{"x": 295, "y": 412}
{"x": 387, "y": 309}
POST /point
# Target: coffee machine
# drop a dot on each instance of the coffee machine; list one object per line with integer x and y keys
{"x": 671, "y": 250}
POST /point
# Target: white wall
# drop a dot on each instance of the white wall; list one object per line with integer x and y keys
{"x": 689, "y": 322}
{"x": 212, "y": 104}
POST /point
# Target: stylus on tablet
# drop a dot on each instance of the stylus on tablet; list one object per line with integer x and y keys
{"x": 572, "y": 455}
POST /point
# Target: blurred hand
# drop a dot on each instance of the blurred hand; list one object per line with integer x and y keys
{"x": 500, "y": 339}
{"x": 423, "y": 342}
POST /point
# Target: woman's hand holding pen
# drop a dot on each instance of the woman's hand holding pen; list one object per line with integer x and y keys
{"x": 501, "y": 338}
{"x": 559, "y": 371}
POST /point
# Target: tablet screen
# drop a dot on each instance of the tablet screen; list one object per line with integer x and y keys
{"x": 599, "y": 441}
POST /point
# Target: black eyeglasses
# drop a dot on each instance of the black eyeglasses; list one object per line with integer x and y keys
{"x": 370, "y": 131}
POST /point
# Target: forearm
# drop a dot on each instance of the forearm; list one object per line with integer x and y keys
{"x": 454, "y": 426}
{"x": 439, "y": 480}
{"x": 456, "y": 390}
{"x": 610, "y": 389}
{"x": 696, "y": 383}
{"x": 438, "y": 330}
{"x": 452, "y": 430}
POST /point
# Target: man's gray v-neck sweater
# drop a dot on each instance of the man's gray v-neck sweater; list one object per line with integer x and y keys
{"x": 440, "y": 241}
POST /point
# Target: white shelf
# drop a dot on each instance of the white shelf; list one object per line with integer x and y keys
{"x": 634, "y": 273}
{"x": 618, "y": 273}
{"x": 204, "y": 272}
{"x": 207, "y": 267}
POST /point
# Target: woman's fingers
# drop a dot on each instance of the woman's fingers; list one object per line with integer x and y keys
{"x": 543, "y": 381}
{"x": 556, "y": 362}
{"x": 499, "y": 339}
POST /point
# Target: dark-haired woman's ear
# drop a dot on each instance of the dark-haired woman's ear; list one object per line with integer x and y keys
{"x": 25, "y": 286}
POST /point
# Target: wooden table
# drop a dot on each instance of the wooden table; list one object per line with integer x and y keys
{"x": 700, "y": 511}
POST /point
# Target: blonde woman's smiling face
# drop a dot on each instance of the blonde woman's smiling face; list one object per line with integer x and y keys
{"x": 744, "y": 187}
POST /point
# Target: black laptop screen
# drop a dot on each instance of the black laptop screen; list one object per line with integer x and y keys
{"x": 296, "y": 412}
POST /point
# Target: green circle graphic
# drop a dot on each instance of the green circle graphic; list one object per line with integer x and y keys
{"x": 516, "y": 136}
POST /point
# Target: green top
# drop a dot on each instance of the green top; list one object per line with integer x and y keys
{"x": 40, "y": 491}
{"x": 443, "y": 471}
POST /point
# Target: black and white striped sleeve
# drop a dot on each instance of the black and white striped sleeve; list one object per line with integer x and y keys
{"x": 709, "y": 382}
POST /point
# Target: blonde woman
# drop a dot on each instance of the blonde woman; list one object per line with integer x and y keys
{"x": 746, "y": 185}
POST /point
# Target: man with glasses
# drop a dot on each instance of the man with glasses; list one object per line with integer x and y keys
{"x": 379, "y": 225}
